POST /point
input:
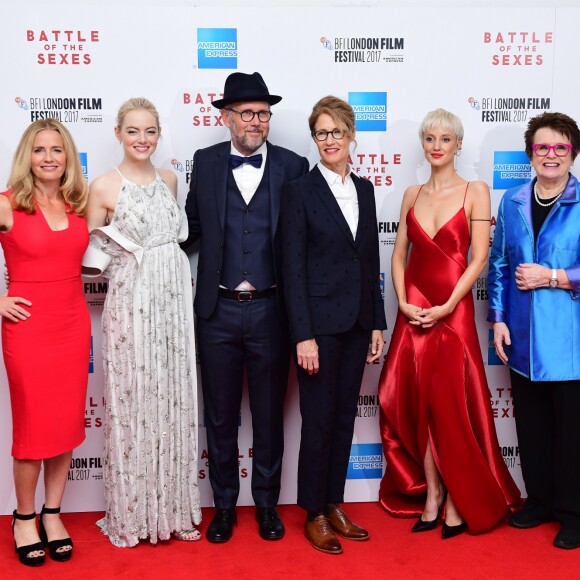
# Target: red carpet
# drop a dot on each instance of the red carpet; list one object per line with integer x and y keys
{"x": 391, "y": 553}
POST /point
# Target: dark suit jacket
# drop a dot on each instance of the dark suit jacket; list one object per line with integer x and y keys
{"x": 205, "y": 209}
{"x": 331, "y": 280}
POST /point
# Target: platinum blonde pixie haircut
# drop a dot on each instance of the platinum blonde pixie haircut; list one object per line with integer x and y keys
{"x": 445, "y": 120}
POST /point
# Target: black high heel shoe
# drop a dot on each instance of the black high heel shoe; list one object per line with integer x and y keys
{"x": 423, "y": 526}
{"x": 54, "y": 545}
{"x": 452, "y": 531}
{"x": 24, "y": 551}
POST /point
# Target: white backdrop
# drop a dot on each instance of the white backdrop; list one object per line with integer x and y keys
{"x": 494, "y": 67}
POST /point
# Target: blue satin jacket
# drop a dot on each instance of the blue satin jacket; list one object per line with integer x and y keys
{"x": 544, "y": 324}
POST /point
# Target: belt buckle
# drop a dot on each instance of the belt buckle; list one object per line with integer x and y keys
{"x": 245, "y": 296}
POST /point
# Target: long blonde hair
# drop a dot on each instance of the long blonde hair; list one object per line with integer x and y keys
{"x": 73, "y": 186}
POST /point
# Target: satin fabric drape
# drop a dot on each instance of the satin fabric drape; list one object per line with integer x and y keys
{"x": 433, "y": 388}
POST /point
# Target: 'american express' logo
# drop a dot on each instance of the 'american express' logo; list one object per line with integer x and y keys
{"x": 370, "y": 111}
{"x": 510, "y": 169}
{"x": 217, "y": 48}
{"x": 365, "y": 461}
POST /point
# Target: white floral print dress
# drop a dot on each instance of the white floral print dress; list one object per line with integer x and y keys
{"x": 150, "y": 424}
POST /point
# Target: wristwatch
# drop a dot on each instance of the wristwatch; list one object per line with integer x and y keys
{"x": 554, "y": 279}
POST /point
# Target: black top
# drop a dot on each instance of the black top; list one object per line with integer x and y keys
{"x": 540, "y": 213}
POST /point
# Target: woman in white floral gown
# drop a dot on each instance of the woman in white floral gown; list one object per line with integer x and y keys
{"x": 150, "y": 427}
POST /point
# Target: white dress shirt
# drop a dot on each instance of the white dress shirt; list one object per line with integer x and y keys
{"x": 345, "y": 194}
{"x": 247, "y": 176}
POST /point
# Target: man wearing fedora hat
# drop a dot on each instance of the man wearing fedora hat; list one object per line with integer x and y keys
{"x": 233, "y": 206}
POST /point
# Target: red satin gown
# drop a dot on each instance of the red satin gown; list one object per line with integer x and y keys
{"x": 47, "y": 355}
{"x": 433, "y": 388}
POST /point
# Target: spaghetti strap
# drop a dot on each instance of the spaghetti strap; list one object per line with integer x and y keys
{"x": 465, "y": 196}
{"x": 117, "y": 170}
{"x": 420, "y": 188}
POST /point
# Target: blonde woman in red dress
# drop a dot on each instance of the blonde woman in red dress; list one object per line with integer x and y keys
{"x": 436, "y": 424}
{"x": 45, "y": 329}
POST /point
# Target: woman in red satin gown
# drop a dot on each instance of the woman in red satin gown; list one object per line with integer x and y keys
{"x": 436, "y": 424}
{"x": 45, "y": 328}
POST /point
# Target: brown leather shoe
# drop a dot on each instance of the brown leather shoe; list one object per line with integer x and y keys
{"x": 319, "y": 534}
{"x": 342, "y": 525}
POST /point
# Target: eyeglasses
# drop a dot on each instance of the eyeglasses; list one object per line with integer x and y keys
{"x": 560, "y": 149}
{"x": 247, "y": 115}
{"x": 322, "y": 135}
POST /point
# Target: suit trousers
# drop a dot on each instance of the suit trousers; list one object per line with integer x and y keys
{"x": 548, "y": 428}
{"x": 244, "y": 338}
{"x": 328, "y": 405}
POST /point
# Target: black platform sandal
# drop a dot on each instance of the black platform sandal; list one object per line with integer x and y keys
{"x": 24, "y": 551}
{"x": 54, "y": 545}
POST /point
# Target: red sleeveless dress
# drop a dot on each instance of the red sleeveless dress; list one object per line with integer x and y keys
{"x": 433, "y": 387}
{"x": 47, "y": 355}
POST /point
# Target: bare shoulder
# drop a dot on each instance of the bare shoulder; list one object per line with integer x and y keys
{"x": 103, "y": 193}
{"x": 478, "y": 202}
{"x": 410, "y": 195}
{"x": 478, "y": 188}
{"x": 169, "y": 178}
{"x": 5, "y": 203}
{"x": 105, "y": 184}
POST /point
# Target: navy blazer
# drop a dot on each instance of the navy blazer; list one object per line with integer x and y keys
{"x": 331, "y": 279}
{"x": 206, "y": 212}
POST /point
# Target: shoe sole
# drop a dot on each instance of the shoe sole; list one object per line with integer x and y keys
{"x": 326, "y": 551}
{"x": 61, "y": 559}
{"x": 270, "y": 538}
{"x": 33, "y": 564}
{"x": 218, "y": 541}
{"x": 564, "y": 547}
{"x": 349, "y": 538}
{"x": 525, "y": 526}
{"x": 337, "y": 531}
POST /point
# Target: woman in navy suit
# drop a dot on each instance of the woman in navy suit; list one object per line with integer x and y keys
{"x": 331, "y": 278}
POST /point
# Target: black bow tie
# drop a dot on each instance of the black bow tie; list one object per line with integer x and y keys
{"x": 237, "y": 160}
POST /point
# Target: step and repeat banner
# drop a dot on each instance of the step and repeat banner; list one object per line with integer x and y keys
{"x": 495, "y": 68}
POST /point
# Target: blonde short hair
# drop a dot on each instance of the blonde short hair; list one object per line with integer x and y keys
{"x": 445, "y": 120}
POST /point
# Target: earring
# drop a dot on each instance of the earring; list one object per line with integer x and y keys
{"x": 458, "y": 152}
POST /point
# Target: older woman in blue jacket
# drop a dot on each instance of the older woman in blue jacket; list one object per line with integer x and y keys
{"x": 534, "y": 286}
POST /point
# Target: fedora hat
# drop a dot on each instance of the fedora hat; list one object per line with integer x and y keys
{"x": 243, "y": 88}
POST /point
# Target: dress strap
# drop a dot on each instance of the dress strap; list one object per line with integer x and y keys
{"x": 465, "y": 196}
{"x": 157, "y": 177}
{"x": 420, "y": 188}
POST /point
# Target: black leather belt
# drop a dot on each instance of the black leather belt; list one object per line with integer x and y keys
{"x": 246, "y": 295}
